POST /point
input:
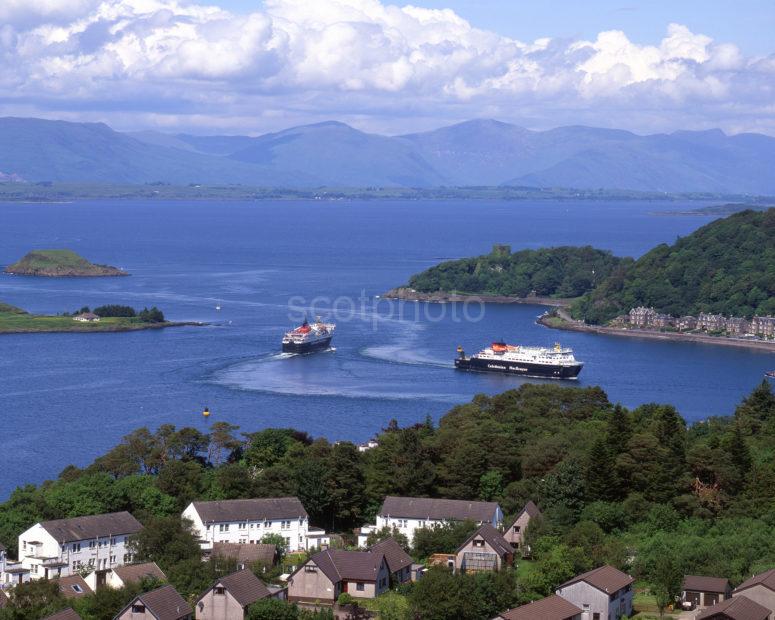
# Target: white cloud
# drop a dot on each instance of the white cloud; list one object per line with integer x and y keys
{"x": 385, "y": 66}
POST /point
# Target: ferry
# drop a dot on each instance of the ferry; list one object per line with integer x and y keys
{"x": 770, "y": 374}
{"x": 309, "y": 337}
{"x": 540, "y": 362}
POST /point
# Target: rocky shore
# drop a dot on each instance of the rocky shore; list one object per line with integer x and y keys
{"x": 408, "y": 294}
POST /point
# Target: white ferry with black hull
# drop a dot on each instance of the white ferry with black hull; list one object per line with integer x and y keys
{"x": 309, "y": 337}
{"x": 540, "y": 362}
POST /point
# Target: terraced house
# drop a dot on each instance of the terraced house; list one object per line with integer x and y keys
{"x": 247, "y": 521}
{"x": 409, "y": 514}
{"x": 59, "y": 548}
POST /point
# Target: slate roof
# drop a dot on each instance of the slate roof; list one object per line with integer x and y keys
{"x": 246, "y": 553}
{"x": 698, "y": 583}
{"x": 93, "y": 526}
{"x": 68, "y": 591}
{"x": 605, "y": 578}
{"x": 132, "y": 573}
{"x": 736, "y": 608}
{"x": 65, "y": 614}
{"x": 492, "y": 537}
{"x": 550, "y": 608}
{"x": 531, "y": 509}
{"x": 244, "y": 586}
{"x": 766, "y": 579}
{"x": 437, "y": 509}
{"x": 258, "y": 509}
{"x": 165, "y": 603}
{"x": 397, "y": 559}
{"x": 337, "y": 564}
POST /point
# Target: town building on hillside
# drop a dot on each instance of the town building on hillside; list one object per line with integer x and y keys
{"x": 603, "y": 593}
{"x": 161, "y": 604}
{"x": 686, "y": 323}
{"x": 246, "y": 555}
{"x": 399, "y": 561}
{"x": 736, "y": 326}
{"x": 63, "y": 547}
{"x": 122, "y": 576}
{"x": 515, "y": 533}
{"x": 550, "y": 608}
{"x": 408, "y": 514}
{"x": 736, "y": 608}
{"x": 229, "y": 597}
{"x": 73, "y": 586}
{"x": 698, "y": 591}
{"x": 485, "y": 550}
{"x": 86, "y": 317}
{"x": 247, "y": 521}
{"x": 642, "y": 316}
{"x": 329, "y": 573}
{"x": 763, "y": 326}
{"x": 760, "y": 589}
{"x": 711, "y": 322}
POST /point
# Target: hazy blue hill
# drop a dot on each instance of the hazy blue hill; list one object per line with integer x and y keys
{"x": 337, "y": 154}
{"x": 477, "y": 152}
{"x": 42, "y": 150}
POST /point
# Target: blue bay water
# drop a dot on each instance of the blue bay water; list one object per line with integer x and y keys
{"x": 67, "y": 398}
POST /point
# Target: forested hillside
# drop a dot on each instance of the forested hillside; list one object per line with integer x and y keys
{"x": 552, "y": 272}
{"x": 726, "y": 267}
{"x": 615, "y": 486}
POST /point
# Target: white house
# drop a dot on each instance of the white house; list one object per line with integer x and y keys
{"x": 87, "y": 317}
{"x": 247, "y": 521}
{"x": 408, "y": 514}
{"x": 63, "y": 547}
{"x": 604, "y": 593}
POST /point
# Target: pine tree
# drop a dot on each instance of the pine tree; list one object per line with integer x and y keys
{"x": 600, "y": 477}
{"x": 757, "y": 409}
{"x": 618, "y": 431}
{"x": 735, "y": 444}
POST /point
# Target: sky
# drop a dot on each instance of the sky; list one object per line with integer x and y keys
{"x": 252, "y": 66}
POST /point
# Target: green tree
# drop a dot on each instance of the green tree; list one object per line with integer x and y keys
{"x": 600, "y": 477}
{"x": 441, "y": 537}
{"x": 166, "y": 541}
{"x": 272, "y": 609}
{"x": 386, "y": 532}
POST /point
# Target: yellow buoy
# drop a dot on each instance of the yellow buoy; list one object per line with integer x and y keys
{"x": 206, "y": 412}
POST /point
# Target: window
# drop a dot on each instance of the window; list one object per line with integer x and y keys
{"x": 267, "y": 524}
{"x": 112, "y": 559}
{"x": 595, "y": 616}
{"x": 76, "y": 547}
{"x": 478, "y": 543}
{"x": 219, "y": 590}
{"x": 91, "y": 561}
{"x": 114, "y": 541}
{"x": 517, "y": 528}
{"x": 243, "y": 526}
{"x": 138, "y": 608}
{"x": 310, "y": 568}
{"x": 223, "y": 527}
{"x": 360, "y": 587}
{"x": 77, "y": 589}
{"x": 91, "y": 544}
{"x": 34, "y": 568}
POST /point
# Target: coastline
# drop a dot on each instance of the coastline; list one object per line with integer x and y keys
{"x": 568, "y": 324}
{"x": 407, "y": 294}
{"x": 92, "y": 328}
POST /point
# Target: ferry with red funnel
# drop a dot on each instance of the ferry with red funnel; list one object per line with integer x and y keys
{"x": 309, "y": 337}
{"x": 540, "y": 362}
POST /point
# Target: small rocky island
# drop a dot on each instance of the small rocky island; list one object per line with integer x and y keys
{"x": 61, "y": 264}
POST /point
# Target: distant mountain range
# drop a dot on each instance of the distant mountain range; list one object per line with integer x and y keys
{"x": 332, "y": 154}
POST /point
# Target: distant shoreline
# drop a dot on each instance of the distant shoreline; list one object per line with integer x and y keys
{"x": 567, "y": 324}
{"x": 96, "y": 328}
{"x": 407, "y": 294}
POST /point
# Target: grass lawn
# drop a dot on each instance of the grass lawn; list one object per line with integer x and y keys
{"x": 15, "y": 322}
{"x": 645, "y": 606}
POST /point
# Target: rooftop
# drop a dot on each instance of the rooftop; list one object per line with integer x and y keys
{"x": 438, "y": 509}
{"x": 698, "y": 583}
{"x": 492, "y": 537}
{"x": 550, "y": 608}
{"x": 258, "y": 509}
{"x": 65, "y": 614}
{"x": 132, "y": 573}
{"x": 93, "y": 526}
{"x": 244, "y": 586}
{"x": 246, "y": 553}
{"x": 735, "y": 608}
{"x": 397, "y": 559}
{"x": 337, "y": 564}
{"x": 73, "y": 586}
{"x": 605, "y": 578}
{"x": 164, "y": 603}
{"x": 766, "y": 579}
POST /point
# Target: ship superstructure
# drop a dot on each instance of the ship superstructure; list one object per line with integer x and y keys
{"x": 545, "y": 362}
{"x": 309, "y": 337}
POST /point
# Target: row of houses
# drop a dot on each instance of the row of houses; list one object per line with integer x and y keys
{"x": 649, "y": 318}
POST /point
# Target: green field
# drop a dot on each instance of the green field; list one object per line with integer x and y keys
{"x": 15, "y": 321}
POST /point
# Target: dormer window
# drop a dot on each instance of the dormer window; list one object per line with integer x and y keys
{"x": 219, "y": 590}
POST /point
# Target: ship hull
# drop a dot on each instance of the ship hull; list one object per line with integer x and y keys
{"x": 525, "y": 369}
{"x": 307, "y": 347}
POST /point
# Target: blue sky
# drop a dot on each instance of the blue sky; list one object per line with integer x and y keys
{"x": 250, "y": 66}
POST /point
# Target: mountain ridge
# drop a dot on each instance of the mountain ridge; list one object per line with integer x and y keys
{"x": 476, "y": 152}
